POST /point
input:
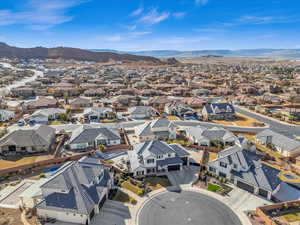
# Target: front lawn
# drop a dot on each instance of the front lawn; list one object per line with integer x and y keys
{"x": 213, "y": 187}
{"x": 133, "y": 188}
{"x": 120, "y": 196}
{"x": 155, "y": 183}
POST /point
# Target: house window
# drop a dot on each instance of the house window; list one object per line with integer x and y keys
{"x": 159, "y": 156}
{"x": 222, "y": 164}
{"x": 212, "y": 169}
{"x": 149, "y": 161}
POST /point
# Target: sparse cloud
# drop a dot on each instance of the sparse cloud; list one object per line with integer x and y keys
{"x": 253, "y": 19}
{"x": 179, "y": 15}
{"x": 40, "y": 15}
{"x": 201, "y": 2}
{"x": 154, "y": 17}
{"x": 137, "y": 12}
{"x": 139, "y": 34}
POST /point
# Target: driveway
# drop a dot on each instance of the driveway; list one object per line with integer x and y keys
{"x": 186, "y": 176}
{"x": 244, "y": 201}
{"x": 186, "y": 207}
{"x": 112, "y": 213}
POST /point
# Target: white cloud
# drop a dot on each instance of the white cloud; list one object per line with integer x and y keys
{"x": 139, "y": 34}
{"x": 179, "y": 15}
{"x": 38, "y": 14}
{"x": 137, "y": 12}
{"x": 154, "y": 17}
{"x": 201, "y": 2}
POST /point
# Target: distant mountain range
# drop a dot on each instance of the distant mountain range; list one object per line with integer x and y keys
{"x": 273, "y": 53}
{"x": 70, "y": 53}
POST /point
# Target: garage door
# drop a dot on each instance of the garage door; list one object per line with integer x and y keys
{"x": 174, "y": 167}
{"x": 263, "y": 193}
{"x": 245, "y": 186}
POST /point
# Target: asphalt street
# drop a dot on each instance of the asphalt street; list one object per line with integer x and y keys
{"x": 284, "y": 129}
{"x": 191, "y": 208}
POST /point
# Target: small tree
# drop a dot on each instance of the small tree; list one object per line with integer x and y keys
{"x": 63, "y": 116}
{"x": 101, "y": 147}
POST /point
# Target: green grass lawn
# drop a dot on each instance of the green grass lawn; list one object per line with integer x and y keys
{"x": 213, "y": 187}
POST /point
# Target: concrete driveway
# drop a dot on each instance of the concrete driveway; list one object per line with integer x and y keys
{"x": 244, "y": 201}
{"x": 112, "y": 213}
{"x": 186, "y": 176}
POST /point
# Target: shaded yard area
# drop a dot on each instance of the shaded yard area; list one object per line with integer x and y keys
{"x": 155, "y": 183}
{"x": 120, "y": 196}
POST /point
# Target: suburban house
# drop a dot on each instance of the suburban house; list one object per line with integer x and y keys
{"x": 43, "y": 116}
{"x": 178, "y": 108}
{"x": 218, "y": 111}
{"x": 205, "y": 137}
{"x": 155, "y": 157}
{"x": 76, "y": 192}
{"x": 142, "y": 112}
{"x": 6, "y": 115}
{"x": 33, "y": 140}
{"x": 161, "y": 129}
{"x": 95, "y": 114}
{"x": 246, "y": 170}
{"x": 85, "y": 137}
{"x": 79, "y": 103}
{"x": 41, "y": 103}
{"x": 284, "y": 145}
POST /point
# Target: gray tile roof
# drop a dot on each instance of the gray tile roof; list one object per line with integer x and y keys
{"x": 280, "y": 140}
{"x": 140, "y": 110}
{"x": 86, "y": 134}
{"x": 169, "y": 161}
{"x": 219, "y": 108}
{"x": 74, "y": 187}
{"x": 39, "y": 136}
{"x": 252, "y": 171}
{"x": 146, "y": 129}
{"x": 155, "y": 148}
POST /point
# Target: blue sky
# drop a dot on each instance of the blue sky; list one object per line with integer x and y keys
{"x": 151, "y": 24}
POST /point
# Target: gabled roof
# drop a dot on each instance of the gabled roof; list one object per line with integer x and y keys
{"x": 219, "y": 108}
{"x": 157, "y": 147}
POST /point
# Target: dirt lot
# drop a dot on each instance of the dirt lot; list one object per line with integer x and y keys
{"x": 241, "y": 120}
{"x": 22, "y": 161}
{"x": 10, "y": 217}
